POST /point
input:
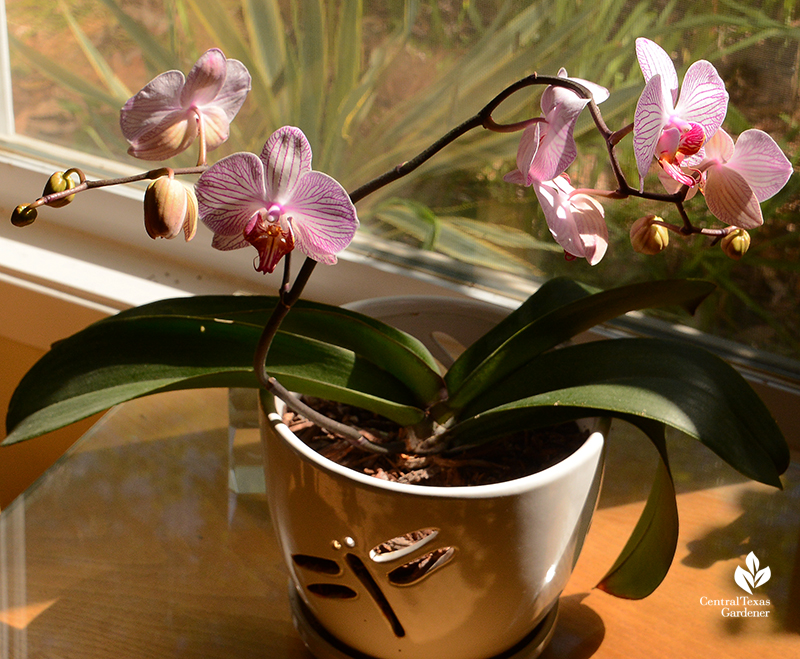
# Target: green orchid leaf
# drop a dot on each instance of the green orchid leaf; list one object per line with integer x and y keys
{"x": 649, "y": 552}
{"x": 560, "y": 323}
{"x": 683, "y": 386}
{"x": 163, "y": 346}
{"x": 550, "y": 296}
{"x": 405, "y": 357}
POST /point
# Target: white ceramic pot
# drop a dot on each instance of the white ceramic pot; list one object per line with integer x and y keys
{"x": 481, "y": 573}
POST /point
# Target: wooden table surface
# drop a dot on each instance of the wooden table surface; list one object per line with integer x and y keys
{"x": 132, "y": 545}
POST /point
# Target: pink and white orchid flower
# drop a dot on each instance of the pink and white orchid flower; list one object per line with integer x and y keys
{"x": 168, "y": 114}
{"x": 276, "y": 202}
{"x": 674, "y": 133}
{"x": 738, "y": 178}
{"x": 576, "y": 221}
{"x": 547, "y": 147}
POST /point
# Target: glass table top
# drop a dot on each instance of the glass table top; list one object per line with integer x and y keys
{"x": 134, "y": 545}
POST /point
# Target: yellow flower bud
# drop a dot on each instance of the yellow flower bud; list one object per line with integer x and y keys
{"x": 169, "y": 208}
{"x": 23, "y": 215}
{"x": 647, "y": 237}
{"x": 736, "y": 243}
{"x": 59, "y": 182}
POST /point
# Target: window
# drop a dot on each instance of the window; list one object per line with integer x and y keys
{"x": 372, "y": 85}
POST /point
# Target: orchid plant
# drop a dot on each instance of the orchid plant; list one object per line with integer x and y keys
{"x": 508, "y": 380}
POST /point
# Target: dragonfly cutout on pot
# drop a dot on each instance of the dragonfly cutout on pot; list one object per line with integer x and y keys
{"x": 388, "y": 552}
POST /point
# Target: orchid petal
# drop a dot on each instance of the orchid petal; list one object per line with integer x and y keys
{"x": 216, "y": 126}
{"x": 674, "y": 170}
{"x": 557, "y": 150}
{"x": 322, "y": 217}
{"x": 719, "y": 148}
{"x": 167, "y": 139}
{"x": 648, "y": 122}
{"x": 598, "y": 92}
{"x": 228, "y": 243}
{"x": 230, "y": 192}
{"x": 591, "y": 225}
{"x": 528, "y": 146}
{"x": 230, "y": 98}
{"x": 761, "y": 163}
{"x": 654, "y": 61}
{"x": 287, "y": 157}
{"x": 672, "y": 186}
{"x": 205, "y": 79}
{"x": 559, "y": 220}
{"x": 517, "y": 178}
{"x": 703, "y": 98}
{"x": 171, "y": 104}
{"x": 154, "y": 105}
{"x": 576, "y": 223}
{"x": 731, "y": 199}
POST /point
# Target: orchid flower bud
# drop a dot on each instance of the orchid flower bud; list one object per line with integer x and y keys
{"x": 23, "y": 215}
{"x": 736, "y": 244}
{"x": 59, "y": 182}
{"x": 169, "y": 208}
{"x": 648, "y": 237}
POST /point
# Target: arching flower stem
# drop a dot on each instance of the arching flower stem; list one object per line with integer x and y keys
{"x": 85, "y": 184}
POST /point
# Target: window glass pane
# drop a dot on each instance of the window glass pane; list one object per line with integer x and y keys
{"x": 373, "y": 83}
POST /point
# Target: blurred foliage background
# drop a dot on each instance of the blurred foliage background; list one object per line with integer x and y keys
{"x": 372, "y": 82}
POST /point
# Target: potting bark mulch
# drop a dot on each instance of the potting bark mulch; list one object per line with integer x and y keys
{"x": 496, "y": 461}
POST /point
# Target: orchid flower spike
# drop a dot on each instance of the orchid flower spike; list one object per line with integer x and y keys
{"x": 576, "y": 221}
{"x": 275, "y": 203}
{"x": 675, "y": 133}
{"x": 169, "y": 113}
{"x": 547, "y": 148}
{"x": 738, "y": 178}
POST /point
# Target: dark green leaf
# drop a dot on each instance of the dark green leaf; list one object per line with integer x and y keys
{"x": 560, "y": 323}
{"x": 163, "y": 346}
{"x": 648, "y": 554}
{"x": 550, "y": 296}
{"x": 683, "y": 386}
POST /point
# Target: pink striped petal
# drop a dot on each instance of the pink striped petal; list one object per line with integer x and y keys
{"x": 577, "y": 224}
{"x": 287, "y": 157}
{"x": 731, "y": 199}
{"x": 703, "y": 98}
{"x": 528, "y": 146}
{"x": 322, "y": 217}
{"x": 761, "y": 163}
{"x": 652, "y": 112}
{"x": 591, "y": 225}
{"x": 654, "y": 61}
{"x": 719, "y": 148}
{"x": 228, "y": 243}
{"x": 230, "y": 192}
{"x": 557, "y": 150}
